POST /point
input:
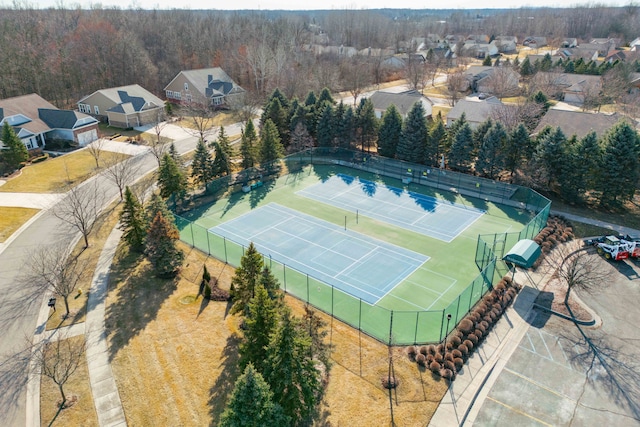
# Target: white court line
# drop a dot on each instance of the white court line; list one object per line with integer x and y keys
{"x": 442, "y": 294}
{"x": 408, "y": 302}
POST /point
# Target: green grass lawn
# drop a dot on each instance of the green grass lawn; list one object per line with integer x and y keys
{"x": 418, "y": 301}
{"x": 54, "y": 175}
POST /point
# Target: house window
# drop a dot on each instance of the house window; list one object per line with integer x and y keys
{"x": 186, "y": 86}
{"x": 217, "y": 100}
{"x": 84, "y": 108}
{"x": 188, "y": 97}
{"x": 97, "y": 110}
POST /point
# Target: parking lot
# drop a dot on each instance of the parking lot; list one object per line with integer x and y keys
{"x": 561, "y": 374}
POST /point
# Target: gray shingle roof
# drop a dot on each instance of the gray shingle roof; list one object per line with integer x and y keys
{"x": 474, "y": 111}
{"x": 404, "y": 102}
{"x": 578, "y": 123}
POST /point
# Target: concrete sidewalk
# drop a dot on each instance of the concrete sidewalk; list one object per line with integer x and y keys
{"x": 466, "y": 393}
{"x": 103, "y": 386}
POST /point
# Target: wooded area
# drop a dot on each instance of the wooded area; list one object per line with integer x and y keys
{"x": 64, "y": 54}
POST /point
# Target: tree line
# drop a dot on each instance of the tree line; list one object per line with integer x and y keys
{"x": 65, "y": 54}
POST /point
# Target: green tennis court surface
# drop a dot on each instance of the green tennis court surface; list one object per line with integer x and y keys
{"x": 355, "y": 263}
{"x": 416, "y": 212}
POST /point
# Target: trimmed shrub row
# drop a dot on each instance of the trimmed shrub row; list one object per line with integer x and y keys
{"x": 558, "y": 230}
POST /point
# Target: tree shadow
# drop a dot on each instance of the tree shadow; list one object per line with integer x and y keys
{"x": 259, "y": 193}
{"x": 542, "y": 309}
{"x": 220, "y": 391}
{"x": 14, "y": 370}
{"x": 139, "y": 298}
{"x": 203, "y": 304}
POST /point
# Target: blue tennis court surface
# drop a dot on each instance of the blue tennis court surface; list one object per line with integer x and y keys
{"x": 412, "y": 211}
{"x": 360, "y": 265}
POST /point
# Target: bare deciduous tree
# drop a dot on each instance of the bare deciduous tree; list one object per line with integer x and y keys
{"x": 355, "y": 77}
{"x": 80, "y": 208}
{"x": 121, "y": 169}
{"x": 574, "y": 266}
{"x": 95, "y": 149}
{"x": 201, "y": 116}
{"x": 415, "y": 73}
{"x": 52, "y": 269}
{"x": 456, "y": 83}
{"x": 511, "y": 115}
{"x": 503, "y": 82}
{"x": 58, "y": 359}
{"x": 300, "y": 139}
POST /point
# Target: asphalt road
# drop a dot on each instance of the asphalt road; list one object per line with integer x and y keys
{"x": 20, "y": 302}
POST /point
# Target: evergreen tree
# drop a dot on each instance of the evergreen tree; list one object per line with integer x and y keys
{"x": 268, "y": 281}
{"x": 325, "y": 130}
{"x": 317, "y": 330}
{"x": 15, "y": 151}
{"x": 290, "y": 371}
{"x": 590, "y": 155}
{"x": 620, "y": 167}
{"x": 251, "y": 403}
{"x": 161, "y": 249}
{"x": 249, "y": 146}
{"x": 496, "y": 63}
{"x": 311, "y": 99}
{"x": 490, "y": 156}
{"x": 171, "y": 179}
{"x": 453, "y": 130}
{"x": 157, "y": 204}
{"x": 389, "y": 132}
{"x": 460, "y": 153}
{"x": 478, "y": 135}
{"x": 516, "y": 63}
{"x": 549, "y": 155}
{"x": 366, "y": 123}
{"x": 132, "y": 221}
{"x": 413, "y": 138}
{"x": 542, "y": 100}
{"x": 346, "y": 129}
{"x": 435, "y": 143}
{"x": 299, "y": 116}
{"x": 571, "y": 176}
{"x": 260, "y": 323}
{"x": 201, "y": 171}
{"x": 526, "y": 69}
{"x": 225, "y": 144}
{"x": 311, "y": 115}
{"x": 279, "y": 116}
{"x": 245, "y": 279}
{"x": 516, "y": 148}
{"x": 325, "y": 96}
{"x": 546, "y": 63}
{"x": 221, "y": 165}
{"x": 270, "y": 147}
{"x": 177, "y": 158}
{"x": 487, "y": 61}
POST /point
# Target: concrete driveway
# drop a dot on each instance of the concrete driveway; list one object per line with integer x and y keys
{"x": 565, "y": 375}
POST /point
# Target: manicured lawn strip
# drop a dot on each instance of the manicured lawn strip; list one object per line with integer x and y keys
{"x": 55, "y": 175}
{"x": 82, "y": 413}
{"x": 12, "y": 219}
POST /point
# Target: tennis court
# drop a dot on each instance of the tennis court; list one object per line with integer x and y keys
{"x": 415, "y": 212}
{"x": 355, "y": 263}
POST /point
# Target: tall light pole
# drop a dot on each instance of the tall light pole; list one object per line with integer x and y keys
{"x": 446, "y": 333}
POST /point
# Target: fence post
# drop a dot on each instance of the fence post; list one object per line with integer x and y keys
{"x": 332, "y": 288}
{"x": 360, "y": 314}
{"x": 284, "y": 276}
{"x": 458, "y": 309}
{"x": 307, "y": 288}
{"x": 208, "y": 243}
{"x": 415, "y": 336}
{"x": 442, "y": 324}
{"x": 193, "y": 241}
{"x": 224, "y": 241}
{"x": 473, "y": 283}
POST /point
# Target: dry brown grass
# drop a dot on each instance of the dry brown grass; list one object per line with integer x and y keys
{"x": 82, "y": 413}
{"x": 12, "y": 219}
{"x": 174, "y": 356}
{"x": 55, "y": 175}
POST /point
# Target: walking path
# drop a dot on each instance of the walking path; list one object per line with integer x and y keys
{"x": 614, "y": 227}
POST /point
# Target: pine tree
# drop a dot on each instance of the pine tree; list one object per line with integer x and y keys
{"x": 460, "y": 153}
{"x": 453, "y": 130}
{"x": 268, "y": 281}
{"x": 171, "y": 179}
{"x": 249, "y": 146}
{"x": 549, "y": 155}
{"x": 590, "y": 154}
{"x": 251, "y": 403}
{"x": 201, "y": 166}
{"x": 571, "y": 176}
{"x": 132, "y": 221}
{"x": 490, "y": 156}
{"x": 290, "y": 371}
{"x": 260, "y": 323}
{"x": 413, "y": 138}
{"x": 366, "y": 123}
{"x": 299, "y": 116}
{"x": 221, "y": 165}
{"x": 270, "y": 147}
{"x": 516, "y": 148}
{"x": 177, "y": 158}
{"x": 346, "y": 129}
{"x": 225, "y": 144}
{"x": 478, "y": 135}
{"x": 245, "y": 279}
{"x": 435, "y": 143}
{"x": 15, "y": 151}
{"x": 325, "y": 130}
{"x": 161, "y": 249}
{"x": 325, "y": 96}
{"x": 389, "y": 132}
{"x": 311, "y": 116}
{"x": 157, "y": 204}
{"x": 279, "y": 116}
{"x": 620, "y": 167}
{"x": 526, "y": 69}
{"x": 487, "y": 61}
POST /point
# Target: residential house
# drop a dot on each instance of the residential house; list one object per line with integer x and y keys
{"x": 479, "y": 38}
{"x": 497, "y": 81}
{"x": 635, "y": 83}
{"x": 123, "y": 107}
{"x": 585, "y": 53}
{"x": 635, "y": 43}
{"x": 622, "y": 56}
{"x": 608, "y": 44}
{"x": 603, "y": 49}
{"x": 478, "y": 50}
{"x": 36, "y": 121}
{"x": 393, "y": 63}
{"x": 210, "y": 86}
{"x": 404, "y": 102}
{"x": 534, "y": 42}
{"x": 581, "y": 87}
{"x": 506, "y": 44}
{"x": 578, "y": 123}
{"x": 569, "y": 42}
{"x": 476, "y": 111}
